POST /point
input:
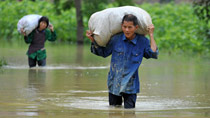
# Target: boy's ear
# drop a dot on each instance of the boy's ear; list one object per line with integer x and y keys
{"x": 137, "y": 26}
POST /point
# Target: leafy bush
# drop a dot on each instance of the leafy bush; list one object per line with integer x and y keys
{"x": 202, "y": 10}
{"x": 176, "y": 27}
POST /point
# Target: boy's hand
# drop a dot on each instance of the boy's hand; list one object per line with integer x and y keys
{"x": 151, "y": 29}
{"x": 22, "y": 32}
{"x": 153, "y": 45}
{"x": 51, "y": 27}
{"x": 89, "y": 34}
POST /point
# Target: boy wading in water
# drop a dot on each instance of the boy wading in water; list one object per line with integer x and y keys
{"x": 36, "y": 51}
{"x": 127, "y": 50}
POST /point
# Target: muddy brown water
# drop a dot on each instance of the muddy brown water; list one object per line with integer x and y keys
{"x": 73, "y": 84}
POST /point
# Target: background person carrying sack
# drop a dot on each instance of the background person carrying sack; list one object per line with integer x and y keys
{"x": 36, "y": 38}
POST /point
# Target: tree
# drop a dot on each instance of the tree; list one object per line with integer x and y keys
{"x": 63, "y": 5}
{"x": 124, "y": 2}
{"x": 202, "y": 10}
{"x": 80, "y": 26}
{"x": 165, "y": 1}
{"x": 92, "y": 6}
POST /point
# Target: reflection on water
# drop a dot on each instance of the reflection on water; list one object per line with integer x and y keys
{"x": 123, "y": 114}
{"x": 74, "y": 84}
{"x": 36, "y": 78}
{"x": 79, "y": 54}
{"x": 79, "y": 60}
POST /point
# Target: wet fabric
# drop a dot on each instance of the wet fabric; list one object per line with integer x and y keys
{"x": 33, "y": 62}
{"x": 37, "y": 39}
{"x": 129, "y": 100}
{"x": 126, "y": 59}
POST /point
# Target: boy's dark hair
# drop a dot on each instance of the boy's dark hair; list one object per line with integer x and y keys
{"x": 43, "y": 18}
{"x": 130, "y": 17}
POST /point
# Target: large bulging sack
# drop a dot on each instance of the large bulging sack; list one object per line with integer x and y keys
{"x": 28, "y": 23}
{"x": 106, "y": 23}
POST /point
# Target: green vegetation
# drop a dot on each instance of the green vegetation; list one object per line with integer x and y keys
{"x": 12, "y": 11}
{"x": 2, "y": 62}
{"x": 202, "y": 10}
{"x": 177, "y": 27}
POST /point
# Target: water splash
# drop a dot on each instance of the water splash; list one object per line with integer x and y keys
{"x": 144, "y": 103}
{"x": 59, "y": 67}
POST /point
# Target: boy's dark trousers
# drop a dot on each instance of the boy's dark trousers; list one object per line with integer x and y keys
{"x": 33, "y": 62}
{"x": 129, "y": 100}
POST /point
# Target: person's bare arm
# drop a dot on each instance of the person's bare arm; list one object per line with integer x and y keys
{"x": 153, "y": 45}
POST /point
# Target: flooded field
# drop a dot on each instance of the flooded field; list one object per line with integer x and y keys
{"x": 73, "y": 84}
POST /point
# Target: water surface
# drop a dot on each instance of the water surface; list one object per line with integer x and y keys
{"x": 73, "y": 84}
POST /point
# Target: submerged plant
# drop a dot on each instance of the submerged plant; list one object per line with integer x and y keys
{"x": 3, "y": 62}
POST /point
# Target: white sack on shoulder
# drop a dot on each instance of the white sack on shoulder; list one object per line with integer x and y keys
{"x": 106, "y": 23}
{"x": 28, "y": 23}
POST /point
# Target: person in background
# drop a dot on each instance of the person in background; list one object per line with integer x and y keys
{"x": 37, "y": 38}
{"x": 127, "y": 50}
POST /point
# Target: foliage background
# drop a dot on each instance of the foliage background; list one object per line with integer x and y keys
{"x": 176, "y": 25}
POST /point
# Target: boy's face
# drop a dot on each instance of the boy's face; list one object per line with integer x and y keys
{"x": 42, "y": 25}
{"x": 129, "y": 29}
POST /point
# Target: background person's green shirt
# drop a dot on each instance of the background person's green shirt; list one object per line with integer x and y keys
{"x": 36, "y": 39}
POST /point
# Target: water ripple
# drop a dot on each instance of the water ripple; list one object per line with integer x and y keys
{"x": 57, "y": 67}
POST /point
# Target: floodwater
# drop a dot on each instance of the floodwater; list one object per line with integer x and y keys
{"x": 73, "y": 85}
